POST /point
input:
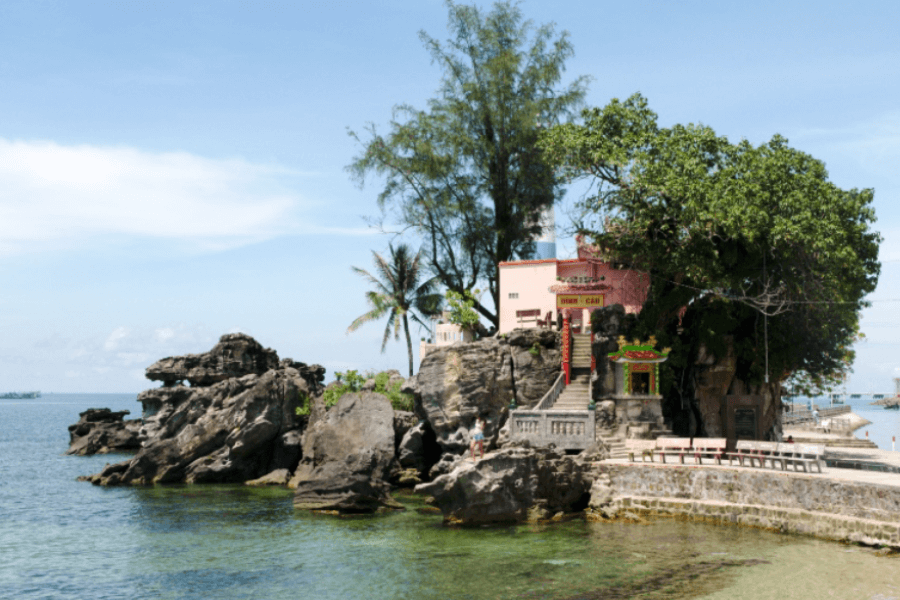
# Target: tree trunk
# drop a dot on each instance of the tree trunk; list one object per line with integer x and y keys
{"x": 408, "y": 343}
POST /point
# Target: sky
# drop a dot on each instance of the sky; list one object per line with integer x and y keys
{"x": 174, "y": 171}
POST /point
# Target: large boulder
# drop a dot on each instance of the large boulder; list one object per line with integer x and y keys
{"x": 100, "y": 430}
{"x": 456, "y": 384}
{"x": 236, "y": 355}
{"x": 237, "y": 429}
{"x": 347, "y": 457}
{"x": 513, "y": 484}
{"x": 536, "y": 359}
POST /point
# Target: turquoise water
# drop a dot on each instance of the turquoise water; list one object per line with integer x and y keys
{"x": 65, "y": 539}
{"x": 885, "y": 423}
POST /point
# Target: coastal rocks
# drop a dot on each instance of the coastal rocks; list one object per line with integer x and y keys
{"x": 455, "y": 384}
{"x": 236, "y": 355}
{"x": 237, "y": 429}
{"x": 510, "y": 485}
{"x": 536, "y": 358}
{"x": 419, "y": 449}
{"x": 99, "y": 431}
{"x": 347, "y": 457}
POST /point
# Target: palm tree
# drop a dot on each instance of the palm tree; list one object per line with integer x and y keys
{"x": 398, "y": 295}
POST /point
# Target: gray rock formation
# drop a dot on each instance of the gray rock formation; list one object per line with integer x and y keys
{"x": 513, "y": 484}
{"x": 347, "y": 457}
{"x": 236, "y": 355}
{"x": 99, "y": 431}
{"x": 419, "y": 450}
{"x": 455, "y": 384}
{"x": 240, "y": 428}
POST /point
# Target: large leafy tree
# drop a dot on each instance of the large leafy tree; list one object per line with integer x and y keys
{"x": 746, "y": 243}
{"x": 465, "y": 174}
{"x": 399, "y": 295}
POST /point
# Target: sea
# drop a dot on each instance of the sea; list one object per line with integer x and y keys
{"x": 60, "y": 538}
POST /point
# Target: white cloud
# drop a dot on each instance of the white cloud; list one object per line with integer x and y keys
{"x": 115, "y": 338}
{"x": 164, "y": 334}
{"x": 65, "y": 195}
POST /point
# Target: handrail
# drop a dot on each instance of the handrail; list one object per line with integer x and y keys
{"x": 552, "y": 394}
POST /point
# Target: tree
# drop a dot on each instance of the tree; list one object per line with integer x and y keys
{"x": 398, "y": 295}
{"x": 461, "y": 311}
{"x": 746, "y": 243}
{"x": 465, "y": 174}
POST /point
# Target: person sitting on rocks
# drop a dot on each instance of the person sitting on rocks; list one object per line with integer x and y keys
{"x": 477, "y": 436}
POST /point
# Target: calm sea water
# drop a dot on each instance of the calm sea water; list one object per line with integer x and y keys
{"x": 64, "y": 539}
{"x": 885, "y": 423}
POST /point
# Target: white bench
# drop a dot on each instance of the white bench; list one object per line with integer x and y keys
{"x": 709, "y": 448}
{"x": 752, "y": 450}
{"x": 673, "y": 447}
{"x": 802, "y": 455}
{"x": 645, "y": 447}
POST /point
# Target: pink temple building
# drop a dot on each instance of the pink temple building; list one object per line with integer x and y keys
{"x": 534, "y": 292}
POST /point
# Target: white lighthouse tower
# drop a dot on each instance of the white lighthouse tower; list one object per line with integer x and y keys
{"x": 545, "y": 245}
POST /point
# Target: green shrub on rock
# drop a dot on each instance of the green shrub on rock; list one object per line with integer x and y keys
{"x": 352, "y": 381}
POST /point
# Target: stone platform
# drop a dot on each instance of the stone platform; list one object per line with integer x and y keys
{"x": 847, "y": 505}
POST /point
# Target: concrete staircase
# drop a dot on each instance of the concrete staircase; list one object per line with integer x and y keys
{"x": 576, "y": 395}
{"x": 616, "y": 446}
{"x": 581, "y": 351}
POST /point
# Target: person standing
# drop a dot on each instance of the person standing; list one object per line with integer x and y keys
{"x": 477, "y": 436}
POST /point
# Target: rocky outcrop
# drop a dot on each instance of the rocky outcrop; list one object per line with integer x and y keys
{"x": 240, "y": 428}
{"x": 347, "y": 457}
{"x": 235, "y": 355}
{"x": 513, "y": 484}
{"x": 99, "y": 431}
{"x": 536, "y": 359}
{"x": 455, "y": 384}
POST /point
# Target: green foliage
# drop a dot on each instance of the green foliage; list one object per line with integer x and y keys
{"x": 465, "y": 174}
{"x": 399, "y": 400}
{"x": 352, "y": 381}
{"x": 303, "y": 409}
{"x": 461, "y": 311}
{"x": 766, "y": 254}
{"x": 398, "y": 294}
{"x": 535, "y": 349}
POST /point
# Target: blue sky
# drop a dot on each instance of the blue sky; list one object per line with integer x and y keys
{"x": 173, "y": 171}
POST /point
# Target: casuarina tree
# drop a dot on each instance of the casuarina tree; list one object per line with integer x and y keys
{"x": 465, "y": 173}
{"x": 400, "y": 294}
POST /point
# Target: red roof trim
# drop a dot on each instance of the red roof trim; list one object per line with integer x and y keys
{"x": 516, "y": 263}
{"x": 565, "y": 261}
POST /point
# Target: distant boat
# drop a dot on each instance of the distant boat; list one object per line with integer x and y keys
{"x": 20, "y": 395}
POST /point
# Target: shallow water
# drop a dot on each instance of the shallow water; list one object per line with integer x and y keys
{"x": 65, "y": 539}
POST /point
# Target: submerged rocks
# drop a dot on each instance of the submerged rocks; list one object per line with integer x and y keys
{"x": 100, "y": 430}
{"x": 240, "y": 428}
{"x": 347, "y": 457}
{"x": 513, "y": 484}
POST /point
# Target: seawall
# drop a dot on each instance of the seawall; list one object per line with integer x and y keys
{"x": 809, "y": 504}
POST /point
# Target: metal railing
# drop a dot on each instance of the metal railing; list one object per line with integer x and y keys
{"x": 800, "y": 416}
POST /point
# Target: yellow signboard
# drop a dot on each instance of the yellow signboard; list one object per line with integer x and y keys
{"x": 579, "y": 300}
